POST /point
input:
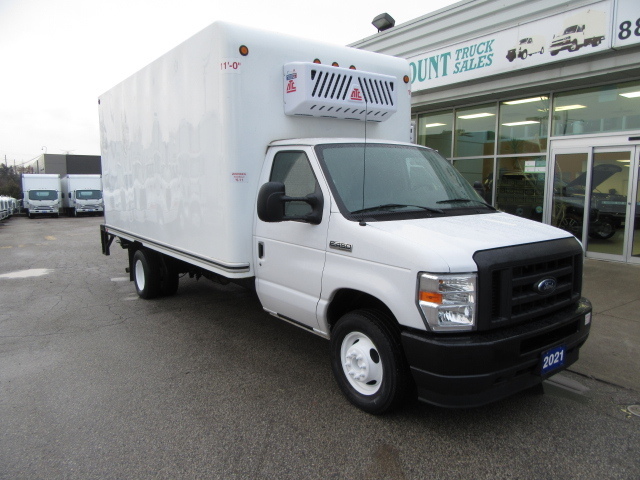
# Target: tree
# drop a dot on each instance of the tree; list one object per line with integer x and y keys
{"x": 9, "y": 182}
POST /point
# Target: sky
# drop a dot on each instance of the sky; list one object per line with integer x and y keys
{"x": 58, "y": 56}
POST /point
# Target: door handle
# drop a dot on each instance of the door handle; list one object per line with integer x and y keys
{"x": 260, "y": 250}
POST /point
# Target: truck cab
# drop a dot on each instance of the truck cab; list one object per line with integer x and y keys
{"x": 42, "y": 194}
{"x": 392, "y": 232}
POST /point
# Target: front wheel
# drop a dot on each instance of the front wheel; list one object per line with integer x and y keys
{"x": 602, "y": 230}
{"x": 368, "y": 362}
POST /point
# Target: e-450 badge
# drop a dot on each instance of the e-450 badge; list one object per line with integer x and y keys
{"x": 346, "y": 247}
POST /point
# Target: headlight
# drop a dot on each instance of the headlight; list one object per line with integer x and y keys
{"x": 448, "y": 302}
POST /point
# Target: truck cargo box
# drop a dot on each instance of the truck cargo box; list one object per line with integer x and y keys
{"x": 184, "y": 139}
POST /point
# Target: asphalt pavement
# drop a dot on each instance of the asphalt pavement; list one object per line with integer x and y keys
{"x": 96, "y": 383}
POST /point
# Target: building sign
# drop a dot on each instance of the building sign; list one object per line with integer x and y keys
{"x": 626, "y": 24}
{"x": 565, "y": 36}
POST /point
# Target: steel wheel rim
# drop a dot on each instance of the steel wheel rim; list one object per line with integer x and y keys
{"x": 140, "y": 275}
{"x": 361, "y": 363}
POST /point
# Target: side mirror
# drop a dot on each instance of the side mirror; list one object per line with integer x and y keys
{"x": 272, "y": 201}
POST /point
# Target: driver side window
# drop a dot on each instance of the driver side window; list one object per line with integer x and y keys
{"x": 294, "y": 170}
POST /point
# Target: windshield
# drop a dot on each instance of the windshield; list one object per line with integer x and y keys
{"x": 88, "y": 194}
{"x": 43, "y": 195}
{"x": 376, "y": 178}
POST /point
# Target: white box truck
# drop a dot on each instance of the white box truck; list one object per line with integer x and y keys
{"x": 284, "y": 165}
{"x": 42, "y": 194}
{"x": 580, "y": 30}
{"x": 4, "y": 207}
{"x": 82, "y": 194}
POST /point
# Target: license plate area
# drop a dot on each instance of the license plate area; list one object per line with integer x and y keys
{"x": 552, "y": 359}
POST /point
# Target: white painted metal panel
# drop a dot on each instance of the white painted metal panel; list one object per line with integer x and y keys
{"x": 183, "y": 140}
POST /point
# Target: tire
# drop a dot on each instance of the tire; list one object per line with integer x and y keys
{"x": 169, "y": 280}
{"x": 574, "y": 46}
{"x": 146, "y": 273}
{"x": 524, "y": 55}
{"x": 602, "y": 230}
{"x": 368, "y": 362}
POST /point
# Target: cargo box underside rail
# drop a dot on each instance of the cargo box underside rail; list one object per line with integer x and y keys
{"x": 108, "y": 234}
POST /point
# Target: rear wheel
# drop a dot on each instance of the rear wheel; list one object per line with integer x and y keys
{"x": 146, "y": 273}
{"x": 368, "y": 362}
{"x": 170, "y": 279}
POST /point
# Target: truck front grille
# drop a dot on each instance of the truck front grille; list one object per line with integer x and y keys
{"x": 507, "y": 279}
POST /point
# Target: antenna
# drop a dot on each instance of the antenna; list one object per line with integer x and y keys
{"x": 364, "y": 151}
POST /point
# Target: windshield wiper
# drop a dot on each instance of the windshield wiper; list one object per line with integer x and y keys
{"x": 393, "y": 206}
{"x": 466, "y": 200}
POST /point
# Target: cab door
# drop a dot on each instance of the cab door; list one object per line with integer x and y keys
{"x": 290, "y": 255}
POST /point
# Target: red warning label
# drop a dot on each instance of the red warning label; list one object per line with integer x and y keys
{"x": 239, "y": 177}
{"x": 291, "y": 86}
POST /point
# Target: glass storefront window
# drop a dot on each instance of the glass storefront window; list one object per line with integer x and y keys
{"x": 475, "y": 131}
{"x": 520, "y": 187}
{"x": 435, "y": 131}
{"x": 610, "y": 108}
{"x": 479, "y": 173}
{"x": 523, "y": 125}
{"x": 609, "y": 185}
{"x": 635, "y": 249}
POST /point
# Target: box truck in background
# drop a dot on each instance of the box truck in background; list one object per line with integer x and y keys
{"x": 284, "y": 165}
{"x": 42, "y": 194}
{"x": 4, "y": 207}
{"x": 82, "y": 194}
{"x": 580, "y": 30}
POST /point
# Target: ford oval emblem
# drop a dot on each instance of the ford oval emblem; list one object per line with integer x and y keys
{"x": 546, "y": 286}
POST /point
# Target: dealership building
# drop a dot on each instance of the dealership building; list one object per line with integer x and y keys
{"x": 537, "y": 104}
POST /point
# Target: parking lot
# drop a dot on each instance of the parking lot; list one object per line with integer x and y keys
{"x": 97, "y": 383}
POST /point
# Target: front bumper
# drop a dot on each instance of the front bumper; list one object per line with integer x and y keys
{"x": 482, "y": 367}
{"x": 44, "y": 210}
{"x": 89, "y": 209}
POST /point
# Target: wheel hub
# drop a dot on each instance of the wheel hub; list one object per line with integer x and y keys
{"x": 356, "y": 365}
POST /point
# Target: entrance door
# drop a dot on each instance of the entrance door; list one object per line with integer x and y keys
{"x": 606, "y": 179}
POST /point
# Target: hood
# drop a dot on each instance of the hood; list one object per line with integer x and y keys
{"x": 456, "y": 239}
